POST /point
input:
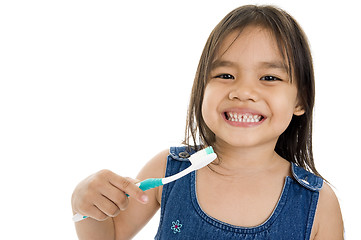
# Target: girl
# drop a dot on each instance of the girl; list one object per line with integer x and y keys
{"x": 252, "y": 100}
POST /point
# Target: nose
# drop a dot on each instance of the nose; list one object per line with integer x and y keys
{"x": 244, "y": 90}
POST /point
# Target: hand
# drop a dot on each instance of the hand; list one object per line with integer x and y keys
{"x": 103, "y": 195}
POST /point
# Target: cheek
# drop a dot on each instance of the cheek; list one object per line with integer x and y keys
{"x": 209, "y": 106}
{"x": 284, "y": 108}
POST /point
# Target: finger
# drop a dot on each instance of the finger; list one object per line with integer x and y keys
{"x": 115, "y": 195}
{"x": 95, "y": 213}
{"x": 127, "y": 186}
{"x": 133, "y": 180}
{"x": 106, "y": 206}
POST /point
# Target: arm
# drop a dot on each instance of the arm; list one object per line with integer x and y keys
{"x": 328, "y": 222}
{"x": 132, "y": 220}
{"x": 112, "y": 214}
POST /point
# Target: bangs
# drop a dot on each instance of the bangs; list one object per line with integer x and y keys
{"x": 283, "y": 44}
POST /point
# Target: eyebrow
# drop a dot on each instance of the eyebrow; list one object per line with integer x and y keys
{"x": 274, "y": 64}
{"x": 222, "y": 63}
{"x": 265, "y": 65}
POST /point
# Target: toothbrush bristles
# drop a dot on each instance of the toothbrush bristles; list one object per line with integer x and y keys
{"x": 209, "y": 150}
{"x": 200, "y": 154}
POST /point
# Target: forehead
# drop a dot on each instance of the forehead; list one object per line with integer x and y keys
{"x": 256, "y": 42}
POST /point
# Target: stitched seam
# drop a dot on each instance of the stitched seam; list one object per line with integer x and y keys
{"x": 311, "y": 214}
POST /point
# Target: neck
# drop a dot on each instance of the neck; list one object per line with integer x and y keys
{"x": 243, "y": 160}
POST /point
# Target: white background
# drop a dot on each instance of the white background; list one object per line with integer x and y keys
{"x": 88, "y": 85}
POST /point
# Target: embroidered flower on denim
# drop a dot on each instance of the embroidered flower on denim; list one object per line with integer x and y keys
{"x": 176, "y": 226}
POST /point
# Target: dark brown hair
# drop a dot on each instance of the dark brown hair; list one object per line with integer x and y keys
{"x": 295, "y": 143}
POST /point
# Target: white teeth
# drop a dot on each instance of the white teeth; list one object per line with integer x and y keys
{"x": 238, "y": 117}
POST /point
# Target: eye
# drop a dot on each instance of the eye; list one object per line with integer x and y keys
{"x": 270, "y": 78}
{"x": 225, "y": 76}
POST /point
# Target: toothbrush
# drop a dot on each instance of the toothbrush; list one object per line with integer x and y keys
{"x": 198, "y": 160}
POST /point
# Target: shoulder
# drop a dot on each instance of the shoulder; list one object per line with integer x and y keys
{"x": 328, "y": 222}
{"x": 155, "y": 166}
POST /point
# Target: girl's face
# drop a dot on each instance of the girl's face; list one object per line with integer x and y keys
{"x": 249, "y": 99}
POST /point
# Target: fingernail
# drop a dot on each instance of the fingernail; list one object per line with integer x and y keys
{"x": 144, "y": 198}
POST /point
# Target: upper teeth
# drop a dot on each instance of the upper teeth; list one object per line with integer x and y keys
{"x": 243, "y": 117}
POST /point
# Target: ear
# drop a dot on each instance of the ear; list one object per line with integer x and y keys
{"x": 298, "y": 111}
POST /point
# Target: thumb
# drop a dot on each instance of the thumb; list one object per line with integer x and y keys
{"x": 133, "y": 180}
{"x": 128, "y": 185}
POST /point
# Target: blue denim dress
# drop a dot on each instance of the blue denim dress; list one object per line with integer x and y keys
{"x": 183, "y": 218}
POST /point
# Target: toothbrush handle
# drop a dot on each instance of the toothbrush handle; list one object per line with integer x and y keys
{"x": 78, "y": 217}
{"x": 150, "y": 183}
{"x": 144, "y": 185}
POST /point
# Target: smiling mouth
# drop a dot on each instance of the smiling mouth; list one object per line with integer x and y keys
{"x": 243, "y": 117}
